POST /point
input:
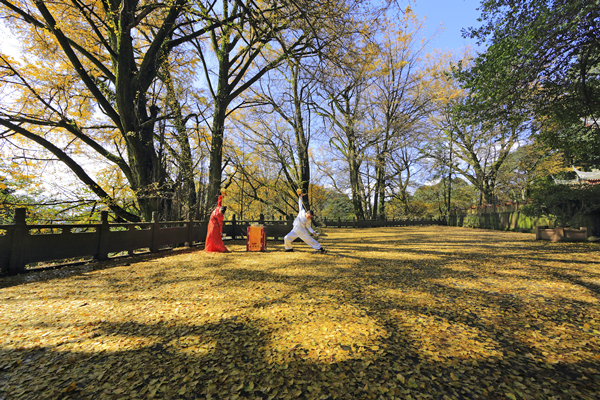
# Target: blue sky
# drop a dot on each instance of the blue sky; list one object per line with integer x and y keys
{"x": 448, "y": 18}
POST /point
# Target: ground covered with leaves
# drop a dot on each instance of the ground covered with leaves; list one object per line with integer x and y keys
{"x": 406, "y": 313}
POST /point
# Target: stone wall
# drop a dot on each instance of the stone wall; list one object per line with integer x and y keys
{"x": 516, "y": 221}
{"x": 505, "y": 221}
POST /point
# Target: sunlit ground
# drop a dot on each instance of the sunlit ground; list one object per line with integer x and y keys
{"x": 407, "y": 312}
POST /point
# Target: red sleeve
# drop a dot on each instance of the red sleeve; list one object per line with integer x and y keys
{"x": 220, "y": 201}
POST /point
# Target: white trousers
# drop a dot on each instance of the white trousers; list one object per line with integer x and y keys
{"x": 302, "y": 234}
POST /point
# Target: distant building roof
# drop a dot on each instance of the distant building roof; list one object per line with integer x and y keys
{"x": 595, "y": 174}
{"x": 592, "y": 178}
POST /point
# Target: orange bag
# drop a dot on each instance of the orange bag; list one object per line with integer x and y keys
{"x": 256, "y": 238}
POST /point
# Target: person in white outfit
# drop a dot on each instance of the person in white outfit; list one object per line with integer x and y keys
{"x": 303, "y": 229}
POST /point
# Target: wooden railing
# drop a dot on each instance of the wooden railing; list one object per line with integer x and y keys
{"x": 381, "y": 223}
{"x": 22, "y": 245}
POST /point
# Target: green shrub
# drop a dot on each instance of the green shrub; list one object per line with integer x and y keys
{"x": 563, "y": 203}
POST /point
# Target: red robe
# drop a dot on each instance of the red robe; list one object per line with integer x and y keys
{"x": 214, "y": 241}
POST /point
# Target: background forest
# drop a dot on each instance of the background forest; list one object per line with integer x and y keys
{"x": 142, "y": 106}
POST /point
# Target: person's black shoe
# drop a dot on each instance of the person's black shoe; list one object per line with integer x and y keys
{"x": 287, "y": 250}
{"x": 321, "y": 251}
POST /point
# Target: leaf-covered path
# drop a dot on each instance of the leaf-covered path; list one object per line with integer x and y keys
{"x": 407, "y": 313}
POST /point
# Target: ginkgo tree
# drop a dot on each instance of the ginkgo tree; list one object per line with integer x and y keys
{"x": 93, "y": 78}
{"x": 236, "y": 56}
{"x": 400, "y": 98}
{"x": 479, "y": 149}
{"x": 245, "y": 58}
{"x": 17, "y": 188}
{"x": 470, "y": 144}
{"x": 344, "y": 81}
{"x": 85, "y": 82}
{"x": 280, "y": 125}
{"x": 374, "y": 101}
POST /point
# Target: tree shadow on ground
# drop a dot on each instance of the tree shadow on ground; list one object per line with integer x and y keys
{"x": 233, "y": 358}
{"x": 370, "y": 325}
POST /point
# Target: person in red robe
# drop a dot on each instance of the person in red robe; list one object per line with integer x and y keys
{"x": 214, "y": 240}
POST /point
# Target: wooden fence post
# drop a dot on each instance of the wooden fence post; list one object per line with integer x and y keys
{"x": 234, "y": 228}
{"x": 15, "y": 264}
{"x": 104, "y": 232}
{"x": 155, "y": 227}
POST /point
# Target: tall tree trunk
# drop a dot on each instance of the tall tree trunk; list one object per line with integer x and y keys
{"x": 450, "y": 166}
{"x": 354, "y": 169}
{"x": 380, "y": 172}
{"x": 379, "y": 203}
{"x": 301, "y": 139}
{"x": 137, "y": 126}
{"x": 488, "y": 192}
{"x": 222, "y": 100}
{"x": 216, "y": 153}
{"x": 184, "y": 158}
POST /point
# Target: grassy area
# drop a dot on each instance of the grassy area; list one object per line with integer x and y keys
{"x": 407, "y": 313}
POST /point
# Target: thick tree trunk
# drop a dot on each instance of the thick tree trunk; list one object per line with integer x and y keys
{"x": 354, "y": 168}
{"x": 184, "y": 158}
{"x": 149, "y": 183}
{"x": 216, "y": 153}
{"x": 149, "y": 179}
{"x": 222, "y": 100}
{"x": 488, "y": 192}
{"x": 137, "y": 126}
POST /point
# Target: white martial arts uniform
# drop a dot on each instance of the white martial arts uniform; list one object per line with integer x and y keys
{"x": 302, "y": 227}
